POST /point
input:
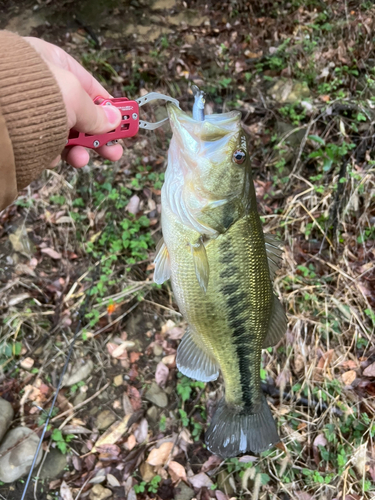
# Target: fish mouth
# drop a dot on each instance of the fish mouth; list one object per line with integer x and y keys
{"x": 214, "y": 127}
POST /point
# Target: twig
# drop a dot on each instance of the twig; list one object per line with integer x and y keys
{"x": 57, "y": 417}
{"x": 49, "y": 416}
{"x": 274, "y": 391}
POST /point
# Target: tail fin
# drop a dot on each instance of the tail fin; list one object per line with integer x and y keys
{"x": 232, "y": 433}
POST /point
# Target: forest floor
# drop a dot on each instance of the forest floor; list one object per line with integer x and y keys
{"x": 77, "y": 248}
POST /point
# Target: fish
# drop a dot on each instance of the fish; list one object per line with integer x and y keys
{"x": 221, "y": 266}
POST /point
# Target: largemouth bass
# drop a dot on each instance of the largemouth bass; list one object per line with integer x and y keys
{"x": 221, "y": 267}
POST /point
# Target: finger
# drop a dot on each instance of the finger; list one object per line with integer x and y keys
{"x": 55, "y": 162}
{"x": 76, "y": 156}
{"x": 59, "y": 57}
{"x": 112, "y": 153}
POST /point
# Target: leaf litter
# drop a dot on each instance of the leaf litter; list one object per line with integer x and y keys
{"x": 316, "y": 193}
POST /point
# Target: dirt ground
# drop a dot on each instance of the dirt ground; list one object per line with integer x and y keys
{"x": 76, "y": 252}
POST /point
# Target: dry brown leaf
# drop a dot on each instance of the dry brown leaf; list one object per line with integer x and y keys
{"x": 122, "y": 349}
{"x": 113, "y": 481}
{"x": 65, "y": 492}
{"x": 299, "y": 363}
{"x": 169, "y": 360}
{"x": 161, "y": 374}
{"x": 220, "y": 495}
{"x": 320, "y": 440}
{"x": 51, "y": 253}
{"x": 303, "y": 495}
{"x": 245, "y": 459}
{"x": 349, "y": 365}
{"x": 349, "y": 377}
{"x": 147, "y": 471}
{"x": 176, "y": 333}
{"x": 133, "y": 205}
{"x": 159, "y": 456}
{"x": 176, "y": 471}
{"x": 126, "y": 404}
{"x": 113, "y": 434}
{"x": 369, "y": 371}
{"x": 111, "y": 347}
{"x": 212, "y": 462}
{"x": 200, "y": 480}
{"x": 131, "y": 442}
{"x": 167, "y": 326}
{"x": 27, "y": 363}
{"x": 17, "y": 299}
{"x": 75, "y": 429}
{"x": 141, "y": 431}
{"x": 325, "y": 359}
{"x": 134, "y": 356}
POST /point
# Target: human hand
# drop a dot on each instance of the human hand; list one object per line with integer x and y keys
{"x": 78, "y": 89}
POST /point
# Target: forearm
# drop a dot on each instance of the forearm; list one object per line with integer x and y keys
{"x": 33, "y": 121}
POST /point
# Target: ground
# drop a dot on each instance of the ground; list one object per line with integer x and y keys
{"x": 77, "y": 250}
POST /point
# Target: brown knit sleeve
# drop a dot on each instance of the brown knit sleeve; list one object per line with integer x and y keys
{"x": 8, "y": 183}
{"x": 32, "y": 106}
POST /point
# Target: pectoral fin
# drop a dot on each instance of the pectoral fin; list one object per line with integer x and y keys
{"x": 201, "y": 266}
{"x": 162, "y": 263}
{"x": 274, "y": 253}
{"x": 277, "y": 326}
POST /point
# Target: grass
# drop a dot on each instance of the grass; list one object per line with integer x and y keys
{"x": 317, "y": 196}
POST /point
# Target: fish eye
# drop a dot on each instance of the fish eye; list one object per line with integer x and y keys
{"x": 239, "y": 156}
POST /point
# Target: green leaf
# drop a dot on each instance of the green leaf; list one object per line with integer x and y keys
{"x": 317, "y": 139}
{"x": 57, "y": 435}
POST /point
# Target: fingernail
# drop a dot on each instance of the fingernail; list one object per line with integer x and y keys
{"x": 113, "y": 114}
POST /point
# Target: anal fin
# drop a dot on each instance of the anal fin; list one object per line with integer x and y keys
{"x": 277, "y": 326}
{"x": 162, "y": 263}
{"x": 194, "y": 362}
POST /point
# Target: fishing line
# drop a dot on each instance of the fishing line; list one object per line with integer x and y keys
{"x": 81, "y": 315}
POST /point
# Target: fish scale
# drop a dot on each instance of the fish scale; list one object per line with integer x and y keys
{"x": 221, "y": 268}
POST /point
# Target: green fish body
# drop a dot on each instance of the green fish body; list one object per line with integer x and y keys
{"x": 221, "y": 267}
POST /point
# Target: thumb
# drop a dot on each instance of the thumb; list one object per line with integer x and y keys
{"x": 94, "y": 119}
{"x": 83, "y": 115}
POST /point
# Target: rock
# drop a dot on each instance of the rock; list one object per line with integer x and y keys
{"x": 157, "y": 396}
{"x": 148, "y": 33}
{"x": 158, "y": 350}
{"x": 104, "y": 420}
{"x": 27, "y": 363}
{"x": 153, "y": 414}
{"x": 17, "y": 462}
{"x": 79, "y": 398}
{"x": 79, "y": 372}
{"x": 289, "y": 91}
{"x": 190, "y": 39}
{"x": 99, "y": 493}
{"x": 54, "y": 464}
{"x": 189, "y": 16}
{"x": 6, "y": 416}
{"x": 183, "y": 492}
{"x": 163, "y": 4}
{"x": 118, "y": 380}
